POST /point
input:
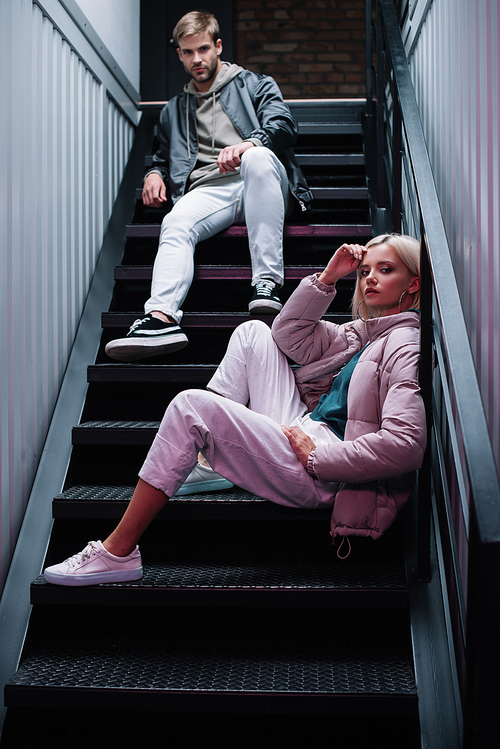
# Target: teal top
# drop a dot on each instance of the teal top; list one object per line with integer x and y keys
{"x": 332, "y": 406}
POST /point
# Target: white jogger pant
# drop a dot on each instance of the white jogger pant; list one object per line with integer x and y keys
{"x": 259, "y": 199}
{"x": 240, "y": 434}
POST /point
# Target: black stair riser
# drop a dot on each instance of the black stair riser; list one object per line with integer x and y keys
{"x": 324, "y": 128}
{"x": 320, "y": 193}
{"x": 200, "y": 320}
{"x": 299, "y": 230}
{"x": 211, "y": 272}
{"x": 320, "y": 159}
{"x": 123, "y": 595}
{"x": 207, "y": 702}
{"x": 151, "y": 373}
{"x": 325, "y": 159}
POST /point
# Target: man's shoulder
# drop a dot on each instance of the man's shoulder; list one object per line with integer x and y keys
{"x": 171, "y": 105}
{"x": 257, "y": 77}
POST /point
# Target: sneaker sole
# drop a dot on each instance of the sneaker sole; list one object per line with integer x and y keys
{"x": 198, "y": 487}
{"x": 130, "y": 349}
{"x": 92, "y": 578}
{"x": 264, "y": 307}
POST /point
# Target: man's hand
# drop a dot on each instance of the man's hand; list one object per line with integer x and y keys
{"x": 301, "y": 443}
{"x": 154, "y": 192}
{"x": 345, "y": 261}
{"x": 230, "y": 157}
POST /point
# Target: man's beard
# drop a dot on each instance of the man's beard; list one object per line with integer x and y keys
{"x": 207, "y": 73}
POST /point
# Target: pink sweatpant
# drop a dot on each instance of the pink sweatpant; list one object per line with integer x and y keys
{"x": 240, "y": 434}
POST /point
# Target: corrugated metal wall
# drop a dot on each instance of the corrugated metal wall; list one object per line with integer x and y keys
{"x": 64, "y": 143}
{"x": 455, "y": 66}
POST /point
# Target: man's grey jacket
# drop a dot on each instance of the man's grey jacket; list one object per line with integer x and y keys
{"x": 255, "y": 106}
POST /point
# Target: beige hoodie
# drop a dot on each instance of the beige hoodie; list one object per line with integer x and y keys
{"x": 215, "y": 130}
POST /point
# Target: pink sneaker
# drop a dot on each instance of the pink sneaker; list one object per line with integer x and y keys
{"x": 95, "y": 565}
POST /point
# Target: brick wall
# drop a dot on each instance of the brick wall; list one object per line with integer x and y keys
{"x": 313, "y": 49}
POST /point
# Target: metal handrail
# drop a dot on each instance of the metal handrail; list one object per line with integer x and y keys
{"x": 442, "y": 316}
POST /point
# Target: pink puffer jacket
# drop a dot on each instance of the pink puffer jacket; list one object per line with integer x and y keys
{"x": 385, "y": 434}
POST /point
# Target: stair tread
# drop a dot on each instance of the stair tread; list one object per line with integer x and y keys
{"x": 243, "y": 567}
{"x": 331, "y": 159}
{"x": 228, "y": 666}
{"x": 84, "y": 501}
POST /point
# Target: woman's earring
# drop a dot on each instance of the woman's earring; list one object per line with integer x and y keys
{"x": 401, "y": 299}
{"x": 357, "y": 311}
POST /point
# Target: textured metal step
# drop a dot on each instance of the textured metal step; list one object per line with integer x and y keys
{"x": 224, "y": 674}
{"x": 80, "y": 502}
{"x": 245, "y": 575}
{"x": 200, "y": 319}
{"x": 114, "y": 432}
{"x": 110, "y": 501}
{"x": 330, "y": 159}
{"x": 298, "y": 230}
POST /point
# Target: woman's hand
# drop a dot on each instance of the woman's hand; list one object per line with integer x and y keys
{"x": 301, "y": 443}
{"x": 345, "y": 261}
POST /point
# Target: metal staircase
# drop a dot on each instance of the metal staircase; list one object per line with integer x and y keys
{"x": 246, "y": 625}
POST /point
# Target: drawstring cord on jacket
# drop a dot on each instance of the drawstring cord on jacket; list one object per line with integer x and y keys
{"x": 213, "y": 121}
{"x": 344, "y": 539}
{"x": 187, "y": 122}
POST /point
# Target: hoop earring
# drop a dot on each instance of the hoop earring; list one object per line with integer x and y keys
{"x": 401, "y": 299}
{"x": 357, "y": 311}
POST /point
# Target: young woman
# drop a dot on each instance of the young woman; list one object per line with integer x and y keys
{"x": 345, "y": 429}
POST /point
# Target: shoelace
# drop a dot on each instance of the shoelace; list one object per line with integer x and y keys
{"x": 265, "y": 288}
{"x": 137, "y": 323}
{"x": 90, "y": 549}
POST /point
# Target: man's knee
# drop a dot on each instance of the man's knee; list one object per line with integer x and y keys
{"x": 179, "y": 222}
{"x": 259, "y": 158}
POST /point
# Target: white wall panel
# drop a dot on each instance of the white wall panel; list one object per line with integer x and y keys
{"x": 455, "y": 66}
{"x": 60, "y": 135}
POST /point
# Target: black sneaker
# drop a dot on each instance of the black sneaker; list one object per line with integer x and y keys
{"x": 147, "y": 337}
{"x": 264, "y": 301}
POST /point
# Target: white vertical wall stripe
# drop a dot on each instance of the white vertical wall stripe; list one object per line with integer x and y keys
{"x": 455, "y": 67}
{"x": 60, "y": 134}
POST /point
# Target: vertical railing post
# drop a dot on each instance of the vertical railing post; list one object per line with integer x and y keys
{"x": 369, "y": 55}
{"x": 425, "y": 375}
{"x": 380, "y": 85}
{"x": 396, "y": 161}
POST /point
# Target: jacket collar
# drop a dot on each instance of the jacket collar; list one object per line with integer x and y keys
{"x": 381, "y": 326}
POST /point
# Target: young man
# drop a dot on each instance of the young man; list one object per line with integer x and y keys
{"x": 225, "y": 154}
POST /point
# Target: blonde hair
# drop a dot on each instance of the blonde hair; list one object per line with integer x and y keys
{"x": 408, "y": 250}
{"x": 196, "y": 22}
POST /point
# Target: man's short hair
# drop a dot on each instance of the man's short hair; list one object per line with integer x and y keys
{"x": 196, "y": 22}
